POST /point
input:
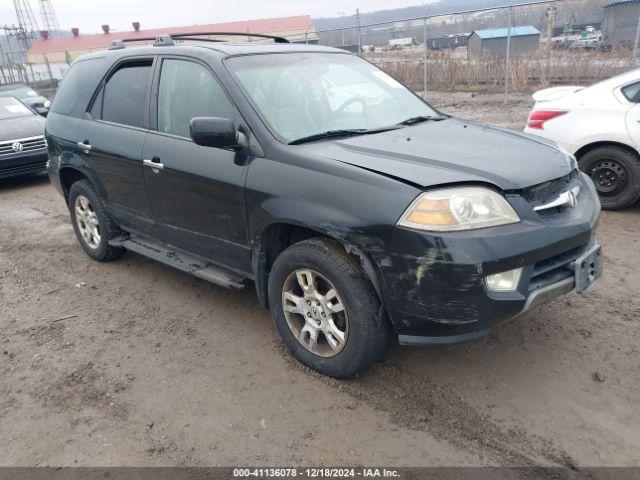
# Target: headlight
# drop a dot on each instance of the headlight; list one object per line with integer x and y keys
{"x": 461, "y": 208}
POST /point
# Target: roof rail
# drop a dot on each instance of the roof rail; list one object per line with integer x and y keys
{"x": 275, "y": 38}
{"x": 168, "y": 40}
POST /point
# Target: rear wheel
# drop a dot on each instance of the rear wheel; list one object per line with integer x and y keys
{"x": 326, "y": 309}
{"x": 616, "y": 175}
{"x": 93, "y": 226}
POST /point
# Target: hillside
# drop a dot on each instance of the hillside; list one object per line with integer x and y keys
{"x": 578, "y": 11}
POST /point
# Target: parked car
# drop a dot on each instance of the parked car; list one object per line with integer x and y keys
{"x": 22, "y": 146}
{"x": 28, "y": 96}
{"x": 360, "y": 222}
{"x": 600, "y": 125}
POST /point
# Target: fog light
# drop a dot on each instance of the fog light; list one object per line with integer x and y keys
{"x": 504, "y": 281}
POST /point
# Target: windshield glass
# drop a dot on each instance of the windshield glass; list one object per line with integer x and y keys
{"x": 22, "y": 92}
{"x": 304, "y": 94}
{"x": 12, "y": 108}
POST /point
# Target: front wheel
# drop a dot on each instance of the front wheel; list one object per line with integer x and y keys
{"x": 615, "y": 173}
{"x": 326, "y": 309}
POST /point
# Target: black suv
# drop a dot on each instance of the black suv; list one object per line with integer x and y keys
{"x": 359, "y": 211}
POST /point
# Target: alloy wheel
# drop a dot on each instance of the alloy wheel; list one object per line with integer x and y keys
{"x": 315, "y": 312}
{"x": 87, "y": 221}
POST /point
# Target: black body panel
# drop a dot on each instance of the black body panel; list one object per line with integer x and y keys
{"x": 223, "y": 204}
{"x": 207, "y": 217}
{"x": 116, "y": 158}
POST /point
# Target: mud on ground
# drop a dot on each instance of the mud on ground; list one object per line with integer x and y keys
{"x": 133, "y": 363}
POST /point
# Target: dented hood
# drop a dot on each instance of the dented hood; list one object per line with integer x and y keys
{"x": 452, "y": 151}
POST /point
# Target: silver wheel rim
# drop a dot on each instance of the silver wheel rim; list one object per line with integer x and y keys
{"x": 87, "y": 221}
{"x": 315, "y": 312}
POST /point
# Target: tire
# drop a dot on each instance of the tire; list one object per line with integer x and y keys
{"x": 365, "y": 330}
{"x": 95, "y": 243}
{"x": 616, "y": 175}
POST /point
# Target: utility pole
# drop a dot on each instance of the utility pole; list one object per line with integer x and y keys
{"x": 425, "y": 70}
{"x": 359, "y": 39}
{"x": 14, "y": 58}
{"x": 26, "y": 20}
{"x": 508, "y": 56}
{"x": 26, "y": 32}
{"x": 342, "y": 25}
{"x": 634, "y": 58}
{"x": 4, "y": 78}
{"x": 551, "y": 16}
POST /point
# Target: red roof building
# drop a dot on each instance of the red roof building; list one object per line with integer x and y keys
{"x": 61, "y": 49}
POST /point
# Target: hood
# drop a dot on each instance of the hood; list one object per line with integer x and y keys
{"x": 452, "y": 151}
{"x": 21, "y": 127}
{"x": 554, "y": 93}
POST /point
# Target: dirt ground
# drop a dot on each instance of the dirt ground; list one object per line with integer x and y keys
{"x": 133, "y": 363}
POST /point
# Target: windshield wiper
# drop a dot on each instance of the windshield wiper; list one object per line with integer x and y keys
{"x": 420, "y": 119}
{"x": 341, "y": 133}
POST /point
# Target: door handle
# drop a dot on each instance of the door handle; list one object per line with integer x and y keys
{"x": 85, "y": 146}
{"x": 154, "y": 164}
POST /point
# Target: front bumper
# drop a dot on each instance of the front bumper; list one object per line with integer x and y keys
{"x": 535, "y": 299}
{"x": 23, "y": 163}
{"x": 433, "y": 284}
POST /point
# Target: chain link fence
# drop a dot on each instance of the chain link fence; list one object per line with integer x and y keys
{"x": 513, "y": 48}
{"x": 14, "y": 67}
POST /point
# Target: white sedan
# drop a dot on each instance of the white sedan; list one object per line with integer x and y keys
{"x": 600, "y": 125}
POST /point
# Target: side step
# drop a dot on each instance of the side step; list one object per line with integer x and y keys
{"x": 196, "y": 267}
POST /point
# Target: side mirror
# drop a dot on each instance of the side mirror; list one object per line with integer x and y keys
{"x": 47, "y": 104}
{"x": 214, "y": 132}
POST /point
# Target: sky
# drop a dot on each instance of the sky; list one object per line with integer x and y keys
{"x": 89, "y": 15}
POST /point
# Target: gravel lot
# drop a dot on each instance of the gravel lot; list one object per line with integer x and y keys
{"x": 154, "y": 367}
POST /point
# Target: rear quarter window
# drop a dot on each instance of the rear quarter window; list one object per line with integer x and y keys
{"x": 81, "y": 79}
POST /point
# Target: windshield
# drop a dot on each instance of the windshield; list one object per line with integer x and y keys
{"x": 22, "y": 92}
{"x": 305, "y": 94}
{"x": 12, "y": 108}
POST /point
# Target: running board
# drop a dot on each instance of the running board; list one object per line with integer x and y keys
{"x": 180, "y": 261}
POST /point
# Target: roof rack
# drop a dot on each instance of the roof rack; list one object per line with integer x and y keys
{"x": 167, "y": 40}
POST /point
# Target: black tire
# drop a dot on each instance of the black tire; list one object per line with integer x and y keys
{"x": 615, "y": 172}
{"x": 369, "y": 331}
{"x": 108, "y": 230}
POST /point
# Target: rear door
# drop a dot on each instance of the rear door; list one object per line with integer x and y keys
{"x": 197, "y": 198}
{"x": 112, "y": 138}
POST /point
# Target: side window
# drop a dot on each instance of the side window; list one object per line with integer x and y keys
{"x": 632, "y": 92}
{"x": 79, "y": 79}
{"x": 188, "y": 90}
{"x": 125, "y": 94}
{"x": 96, "y": 108}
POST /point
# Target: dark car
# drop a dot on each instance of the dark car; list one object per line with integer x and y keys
{"x": 359, "y": 212}
{"x": 23, "y": 149}
{"x": 28, "y": 96}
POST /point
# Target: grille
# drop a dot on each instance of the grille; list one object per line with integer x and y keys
{"x": 28, "y": 145}
{"x": 549, "y": 191}
{"x": 554, "y": 269}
